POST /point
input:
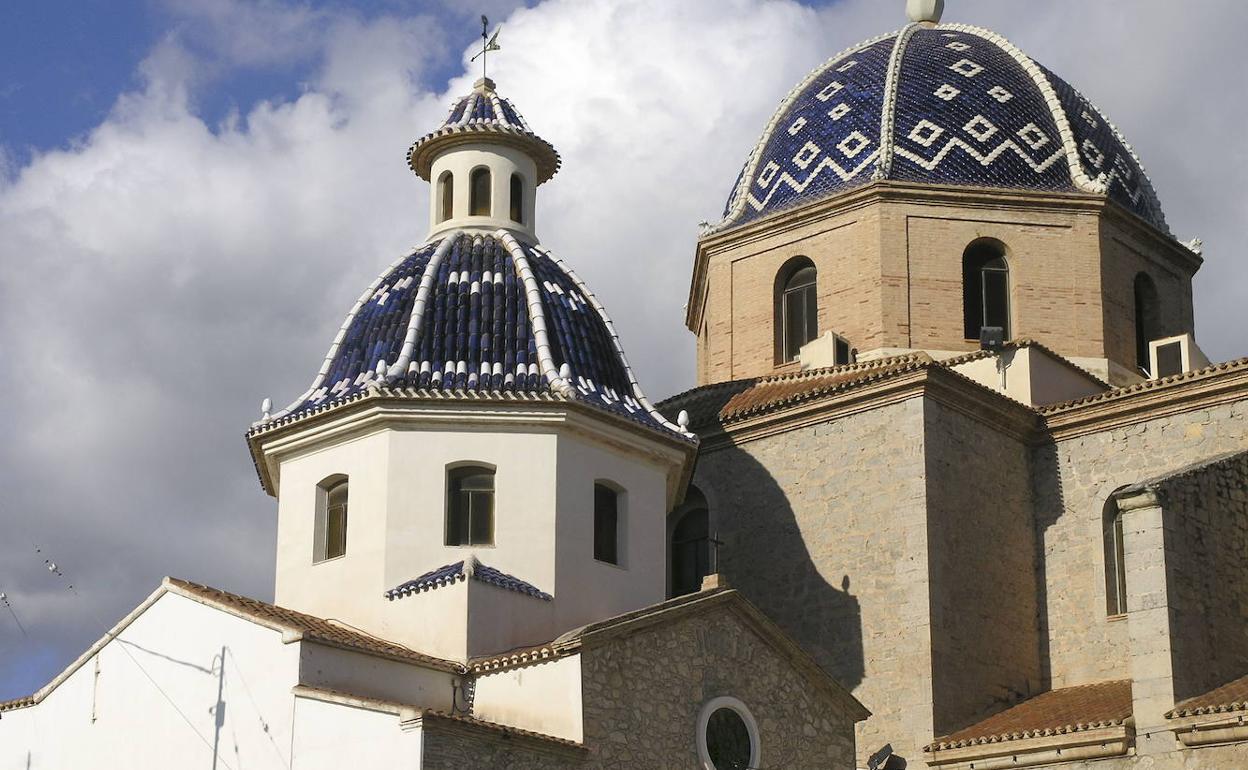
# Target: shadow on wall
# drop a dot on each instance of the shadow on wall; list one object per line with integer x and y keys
{"x": 764, "y": 555}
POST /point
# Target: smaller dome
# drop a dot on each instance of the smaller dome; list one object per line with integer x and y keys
{"x": 472, "y": 315}
{"x": 479, "y": 115}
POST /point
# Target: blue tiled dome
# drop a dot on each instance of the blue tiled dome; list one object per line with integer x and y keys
{"x": 947, "y": 104}
{"x": 483, "y": 113}
{"x": 474, "y": 315}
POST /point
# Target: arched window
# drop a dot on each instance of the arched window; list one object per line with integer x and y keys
{"x": 985, "y": 287}
{"x": 470, "y": 505}
{"x": 330, "y": 538}
{"x": 517, "y": 198}
{"x": 691, "y": 545}
{"x": 1147, "y": 318}
{"x": 1115, "y": 564}
{"x": 607, "y": 521}
{"x": 797, "y": 308}
{"x": 479, "y": 193}
{"x": 446, "y": 196}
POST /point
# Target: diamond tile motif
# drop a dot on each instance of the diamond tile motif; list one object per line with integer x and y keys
{"x": 853, "y": 144}
{"x": 958, "y": 46}
{"x": 847, "y": 66}
{"x": 839, "y": 111}
{"x": 925, "y": 133}
{"x": 966, "y": 68}
{"x": 1000, "y": 94}
{"x": 806, "y": 155}
{"x": 946, "y": 92}
{"x": 797, "y": 126}
{"x": 1032, "y": 136}
{"x": 769, "y": 173}
{"x": 1093, "y": 154}
{"x": 981, "y": 128}
{"x": 830, "y": 90}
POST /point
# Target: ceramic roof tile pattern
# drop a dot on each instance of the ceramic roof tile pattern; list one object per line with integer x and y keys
{"x": 948, "y": 105}
{"x": 17, "y": 703}
{"x": 312, "y": 627}
{"x": 483, "y": 111}
{"x": 1057, "y": 712}
{"x": 481, "y": 314}
{"x": 451, "y": 573}
{"x": 1230, "y": 697}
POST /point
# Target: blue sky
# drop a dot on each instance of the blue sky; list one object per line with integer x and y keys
{"x": 193, "y": 192}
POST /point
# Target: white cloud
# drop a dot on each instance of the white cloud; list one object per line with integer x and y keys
{"x": 164, "y": 275}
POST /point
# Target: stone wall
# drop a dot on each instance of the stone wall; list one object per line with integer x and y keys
{"x": 1206, "y": 526}
{"x": 984, "y": 634}
{"x": 643, "y": 694}
{"x": 456, "y": 748}
{"x": 824, "y": 528}
{"x": 1073, "y": 479}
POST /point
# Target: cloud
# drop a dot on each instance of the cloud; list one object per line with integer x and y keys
{"x": 166, "y": 273}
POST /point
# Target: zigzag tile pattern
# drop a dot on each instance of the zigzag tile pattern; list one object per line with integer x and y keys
{"x": 965, "y": 108}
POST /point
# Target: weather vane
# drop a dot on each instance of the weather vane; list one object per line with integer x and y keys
{"x": 488, "y": 43}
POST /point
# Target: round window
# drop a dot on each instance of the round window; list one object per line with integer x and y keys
{"x": 727, "y": 736}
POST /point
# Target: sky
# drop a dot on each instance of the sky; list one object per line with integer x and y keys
{"x": 193, "y": 193}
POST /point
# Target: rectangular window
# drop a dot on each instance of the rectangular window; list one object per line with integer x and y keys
{"x": 800, "y": 319}
{"x": 331, "y": 521}
{"x": 997, "y": 300}
{"x": 470, "y": 506}
{"x": 606, "y": 524}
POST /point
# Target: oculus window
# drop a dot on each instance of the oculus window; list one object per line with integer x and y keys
{"x": 470, "y": 505}
{"x": 727, "y": 736}
{"x": 797, "y": 308}
{"x": 330, "y": 539}
{"x": 606, "y": 524}
{"x": 985, "y": 288}
{"x": 479, "y": 193}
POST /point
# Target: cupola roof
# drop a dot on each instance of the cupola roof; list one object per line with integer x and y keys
{"x": 945, "y": 104}
{"x": 483, "y": 115}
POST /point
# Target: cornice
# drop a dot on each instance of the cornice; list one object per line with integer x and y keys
{"x": 1149, "y": 400}
{"x": 1031, "y": 750}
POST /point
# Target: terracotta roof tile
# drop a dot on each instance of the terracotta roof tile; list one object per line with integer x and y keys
{"x": 1232, "y": 696}
{"x": 1067, "y": 710}
{"x": 1147, "y": 385}
{"x": 310, "y": 626}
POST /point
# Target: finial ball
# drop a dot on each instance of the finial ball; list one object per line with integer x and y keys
{"x": 925, "y": 10}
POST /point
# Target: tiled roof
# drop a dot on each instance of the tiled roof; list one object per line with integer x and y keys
{"x": 483, "y": 112}
{"x": 1230, "y": 697}
{"x": 463, "y": 570}
{"x": 1018, "y": 345}
{"x": 309, "y": 626}
{"x": 950, "y": 104}
{"x": 480, "y": 314}
{"x": 1150, "y": 385}
{"x": 1057, "y": 712}
{"x": 727, "y": 402}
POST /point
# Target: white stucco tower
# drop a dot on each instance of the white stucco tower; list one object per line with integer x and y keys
{"x": 474, "y": 467}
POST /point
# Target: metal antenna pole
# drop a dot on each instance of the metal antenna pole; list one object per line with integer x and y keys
{"x": 485, "y": 44}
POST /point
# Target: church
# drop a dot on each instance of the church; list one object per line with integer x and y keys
{"x": 956, "y": 487}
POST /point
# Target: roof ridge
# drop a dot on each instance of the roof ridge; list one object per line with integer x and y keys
{"x": 1146, "y": 385}
{"x": 888, "y": 112}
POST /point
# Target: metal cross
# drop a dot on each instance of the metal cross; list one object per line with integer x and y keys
{"x": 488, "y": 44}
{"x": 715, "y": 543}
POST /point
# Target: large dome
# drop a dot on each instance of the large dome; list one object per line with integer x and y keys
{"x": 946, "y": 104}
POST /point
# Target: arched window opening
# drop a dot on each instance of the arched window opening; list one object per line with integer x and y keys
{"x": 797, "y": 308}
{"x": 479, "y": 193}
{"x": 607, "y": 521}
{"x": 1147, "y": 318}
{"x": 985, "y": 288}
{"x": 1115, "y": 563}
{"x": 330, "y": 538}
{"x": 517, "y": 198}
{"x": 691, "y": 545}
{"x": 446, "y": 196}
{"x": 470, "y": 505}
